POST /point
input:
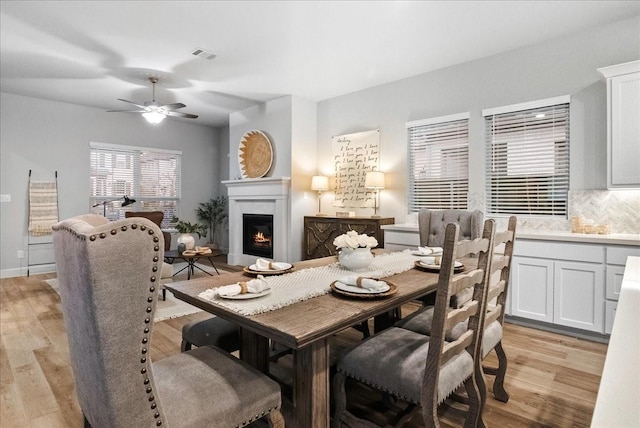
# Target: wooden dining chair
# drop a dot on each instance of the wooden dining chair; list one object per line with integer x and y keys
{"x": 108, "y": 274}
{"x": 421, "y": 321}
{"x": 422, "y": 371}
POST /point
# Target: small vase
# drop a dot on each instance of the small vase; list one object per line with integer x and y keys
{"x": 188, "y": 240}
{"x": 355, "y": 259}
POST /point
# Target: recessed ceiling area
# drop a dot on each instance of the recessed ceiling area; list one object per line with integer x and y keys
{"x": 92, "y": 53}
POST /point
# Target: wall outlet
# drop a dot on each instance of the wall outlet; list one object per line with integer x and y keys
{"x": 21, "y": 254}
{"x": 5, "y": 198}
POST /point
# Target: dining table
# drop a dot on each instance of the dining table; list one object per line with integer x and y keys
{"x": 306, "y": 327}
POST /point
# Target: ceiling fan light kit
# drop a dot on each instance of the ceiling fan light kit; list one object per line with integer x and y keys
{"x": 153, "y": 112}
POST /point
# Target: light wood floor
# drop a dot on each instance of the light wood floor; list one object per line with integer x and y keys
{"x": 552, "y": 379}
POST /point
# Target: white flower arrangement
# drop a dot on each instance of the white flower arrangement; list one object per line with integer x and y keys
{"x": 353, "y": 240}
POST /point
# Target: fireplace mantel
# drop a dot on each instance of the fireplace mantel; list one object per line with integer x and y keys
{"x": 259, "y": 196}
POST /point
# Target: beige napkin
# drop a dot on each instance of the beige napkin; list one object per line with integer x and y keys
{"x": 257, "y": 285}
{"x": 262, "y": 264}
{"x": 362, "y": 282}
{"x": 430, "y": 250}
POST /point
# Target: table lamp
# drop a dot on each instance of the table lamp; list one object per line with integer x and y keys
{"x": 374, "y": 180}
{"x": 320, "y": 183}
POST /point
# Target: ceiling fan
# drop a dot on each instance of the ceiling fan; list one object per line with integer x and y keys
{"x": 152, "y": 111}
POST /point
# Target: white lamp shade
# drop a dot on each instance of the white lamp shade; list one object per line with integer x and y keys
{"x": 374, "y": 180}
{"x": 320, "y": 183}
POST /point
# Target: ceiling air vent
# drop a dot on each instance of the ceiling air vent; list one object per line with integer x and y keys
{"x": 201, "y": 53}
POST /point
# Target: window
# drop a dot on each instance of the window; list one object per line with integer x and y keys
{"x": 439, "y": 162}
{"x": 527, "y": 162}
{"x": 150, "y": 176}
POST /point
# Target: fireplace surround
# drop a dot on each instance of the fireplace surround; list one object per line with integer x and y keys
{"x": 264, "y": 196}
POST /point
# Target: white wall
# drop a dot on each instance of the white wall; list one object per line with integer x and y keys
{"x": 564, "y": 66}
{"x": 46, "y": 136}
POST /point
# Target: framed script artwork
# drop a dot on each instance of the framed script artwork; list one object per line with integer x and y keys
{"x": 353, "y": 156}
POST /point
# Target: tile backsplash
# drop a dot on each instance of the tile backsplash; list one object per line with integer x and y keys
{"x": 620, "y": 209}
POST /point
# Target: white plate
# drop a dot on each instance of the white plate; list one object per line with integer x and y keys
{"x": 256, "y": 269}
{"x": 246, "y": 295}
{"x": 360, "y": 290}
{"x": 437, "y": 267}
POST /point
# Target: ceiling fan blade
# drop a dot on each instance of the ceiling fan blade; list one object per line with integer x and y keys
{"x": 173, "y": 106}
{"x": 126, "y": 111}
{"x": 180, "y": 114}
{"x": 131, "y": 102}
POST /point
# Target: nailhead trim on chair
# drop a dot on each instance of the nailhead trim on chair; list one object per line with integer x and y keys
{"x": 145, "y": 339}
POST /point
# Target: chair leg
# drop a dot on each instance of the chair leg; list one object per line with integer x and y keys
{"x": 185, "y": 346}
{"x": 275, "y": 419}
{"x": 340, "y": 399}
{"x": 498, "y": 384}
{"x": 474, "y": 415}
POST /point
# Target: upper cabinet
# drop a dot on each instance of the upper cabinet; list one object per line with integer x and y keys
{"x": 623, "y": 125}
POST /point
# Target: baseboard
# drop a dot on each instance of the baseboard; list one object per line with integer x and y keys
{"x": 553, "y": 328}
{"x": 24, "y": 271}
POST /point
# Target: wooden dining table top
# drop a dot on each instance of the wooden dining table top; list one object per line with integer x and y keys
{"x": 302, "y": 323}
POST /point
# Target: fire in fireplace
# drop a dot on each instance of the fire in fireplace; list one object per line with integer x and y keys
{"x": 257, "y": 235}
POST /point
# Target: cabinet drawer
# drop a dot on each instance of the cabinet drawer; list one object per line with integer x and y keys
{"x": 559, "y": 251}
{"x": 610, "y": 315}
{"x": 618, "y": 255}
{"x": 614, "y": 281}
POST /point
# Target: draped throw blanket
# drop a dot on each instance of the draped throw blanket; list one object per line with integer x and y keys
{"x": 43, "y": 207}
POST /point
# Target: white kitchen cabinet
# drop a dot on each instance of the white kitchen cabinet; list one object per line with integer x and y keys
{"x": 579, "y": 295}
{"x": 616, "y": 258}
{"x": 559, "y": 283}
{"x": 568, "y": 284}
{"x": 623, "y": 125}
{"x": 399, "y": 237}
{"x": 531, "y": 288}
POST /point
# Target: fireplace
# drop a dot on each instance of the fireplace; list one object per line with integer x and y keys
{"x": 257, "y": 235}
{"x": 270, "y": 196}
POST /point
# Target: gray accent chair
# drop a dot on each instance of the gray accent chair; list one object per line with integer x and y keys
{"x": 432, "y": 224}
{"x": 421, "y": 321}
{"x": 108, "y": 274}
{"x": 212, "y": 331}
{"x": 422, "y": 371}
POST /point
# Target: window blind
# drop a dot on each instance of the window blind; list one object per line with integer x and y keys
{"x": 527, "y": 161}
{"x": 439, "y": 163}
{"x": 150, "y": 176}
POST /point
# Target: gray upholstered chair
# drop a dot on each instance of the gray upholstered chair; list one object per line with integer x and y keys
{"x": 108, "y": 276}
{"x": 432, "y": 224}
{"x": 421, "y": 320}
{"x": 214, "y": 331}
{"x": 422, "y": 371}
{"x": 166, "y": 275}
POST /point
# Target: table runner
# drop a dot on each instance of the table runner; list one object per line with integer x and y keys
{"x": 305, "y": 284}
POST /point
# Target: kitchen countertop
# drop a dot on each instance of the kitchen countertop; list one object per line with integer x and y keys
{"x": 619, "y": 392}
{"x": 549, "y": 235}
{"x": 589, "y": 238}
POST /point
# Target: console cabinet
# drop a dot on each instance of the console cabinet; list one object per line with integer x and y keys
{"x": 320, "y": 231}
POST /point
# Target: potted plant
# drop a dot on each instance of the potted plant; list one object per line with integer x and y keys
{"x": 186, "y": 230}
{"x": 214, "y": 213}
